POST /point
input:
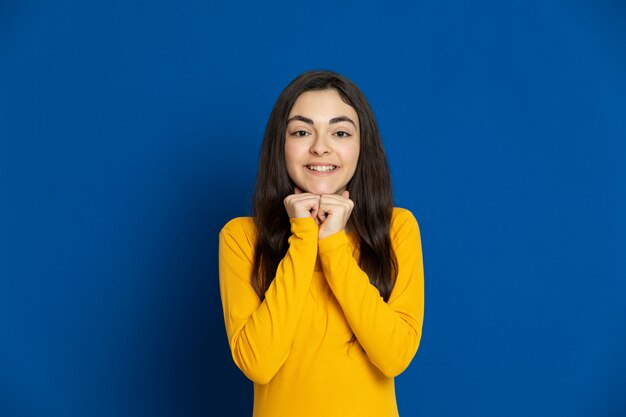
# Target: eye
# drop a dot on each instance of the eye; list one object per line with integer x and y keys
{"x": 342, "y": 134}
{"x": 300, "y": 133}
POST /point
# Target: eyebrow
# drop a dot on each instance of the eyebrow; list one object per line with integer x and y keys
{"x": 331, "y": 121}
{"x": 341, "y": 119}
{"x": 302, "y": 119}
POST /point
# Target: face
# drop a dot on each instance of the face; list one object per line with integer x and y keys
{"x": 322, "y": 142}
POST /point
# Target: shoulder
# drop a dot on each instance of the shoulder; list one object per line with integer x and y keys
{"x": 401, "y": 215}
{"x": 237, "y": 238}
{"x": 239, "y": 228}
{"x": 402, "y": 222}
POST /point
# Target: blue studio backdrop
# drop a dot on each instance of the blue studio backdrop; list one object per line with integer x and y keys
{"x": 129, "y": 135}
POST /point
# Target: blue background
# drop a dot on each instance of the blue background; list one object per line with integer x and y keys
{"x": 129, "y": 134}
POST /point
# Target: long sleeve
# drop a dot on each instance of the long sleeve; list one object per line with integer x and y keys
{"x": 260, "y": 334}
{"x": 388, "y": 332}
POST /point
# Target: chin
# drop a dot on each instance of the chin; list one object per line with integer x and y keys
{"x": 320, "y": 190}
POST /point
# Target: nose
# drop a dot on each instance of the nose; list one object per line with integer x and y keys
{"x": 320, "y": 146}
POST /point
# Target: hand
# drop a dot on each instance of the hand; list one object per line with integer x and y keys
{"x": 302, "y": 205}
{"x": 333, "y": 212}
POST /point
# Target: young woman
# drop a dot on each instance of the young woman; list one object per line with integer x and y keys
{"x": 322, "y": 289}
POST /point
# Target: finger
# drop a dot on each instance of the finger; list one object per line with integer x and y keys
{"x": 315, "y": 201}
{"x": 346, "y": 194}
{"x": 326, "y": 205}
{"x": 313, "y": 205}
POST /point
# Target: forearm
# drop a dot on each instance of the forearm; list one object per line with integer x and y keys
{"x": 388, "y": 332}
{"x": 260, "y": 333}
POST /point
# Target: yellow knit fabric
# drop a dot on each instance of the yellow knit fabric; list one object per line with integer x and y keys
{"x": 294, "y": 345}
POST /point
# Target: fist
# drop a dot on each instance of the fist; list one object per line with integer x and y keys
{"x": 333, "y": 213}
{"x": 302, "y": 205}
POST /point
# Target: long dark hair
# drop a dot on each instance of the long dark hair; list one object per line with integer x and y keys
{"x": 370, "y": 188}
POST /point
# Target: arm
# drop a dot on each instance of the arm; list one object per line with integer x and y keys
{"x": 388, "y": 332}
{"x": 260, "y": 333}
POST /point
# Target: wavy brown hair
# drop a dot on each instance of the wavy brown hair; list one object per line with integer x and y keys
{"x": 370, "y": 188}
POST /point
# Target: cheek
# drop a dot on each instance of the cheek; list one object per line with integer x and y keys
{"x": 352, "y": 155}
{"x": 292, "y": 159}
{"x": 290, "y": 155}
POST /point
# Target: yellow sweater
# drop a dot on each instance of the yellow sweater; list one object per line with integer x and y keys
{"x": 294, "y": 344}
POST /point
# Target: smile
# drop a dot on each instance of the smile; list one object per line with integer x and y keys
{"x": 321, "y": 168}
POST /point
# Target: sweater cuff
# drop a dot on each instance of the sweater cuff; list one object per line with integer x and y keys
{"x": 303, "y": 226}
{"x": 333, "y": 242}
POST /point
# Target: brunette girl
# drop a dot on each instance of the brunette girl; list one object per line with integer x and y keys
{"x": 322, "y": 288}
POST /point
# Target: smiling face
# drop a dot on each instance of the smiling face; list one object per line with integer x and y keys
{"x": 322, "y": 142}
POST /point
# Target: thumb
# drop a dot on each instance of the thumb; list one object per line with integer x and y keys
{"x": 345, "y": 194}
{"x": 296, "y": 190}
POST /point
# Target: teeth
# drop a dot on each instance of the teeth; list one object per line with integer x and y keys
{"x": 319, "y": 168}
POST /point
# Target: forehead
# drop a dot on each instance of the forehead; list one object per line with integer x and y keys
{"x": 322, "y": 106}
